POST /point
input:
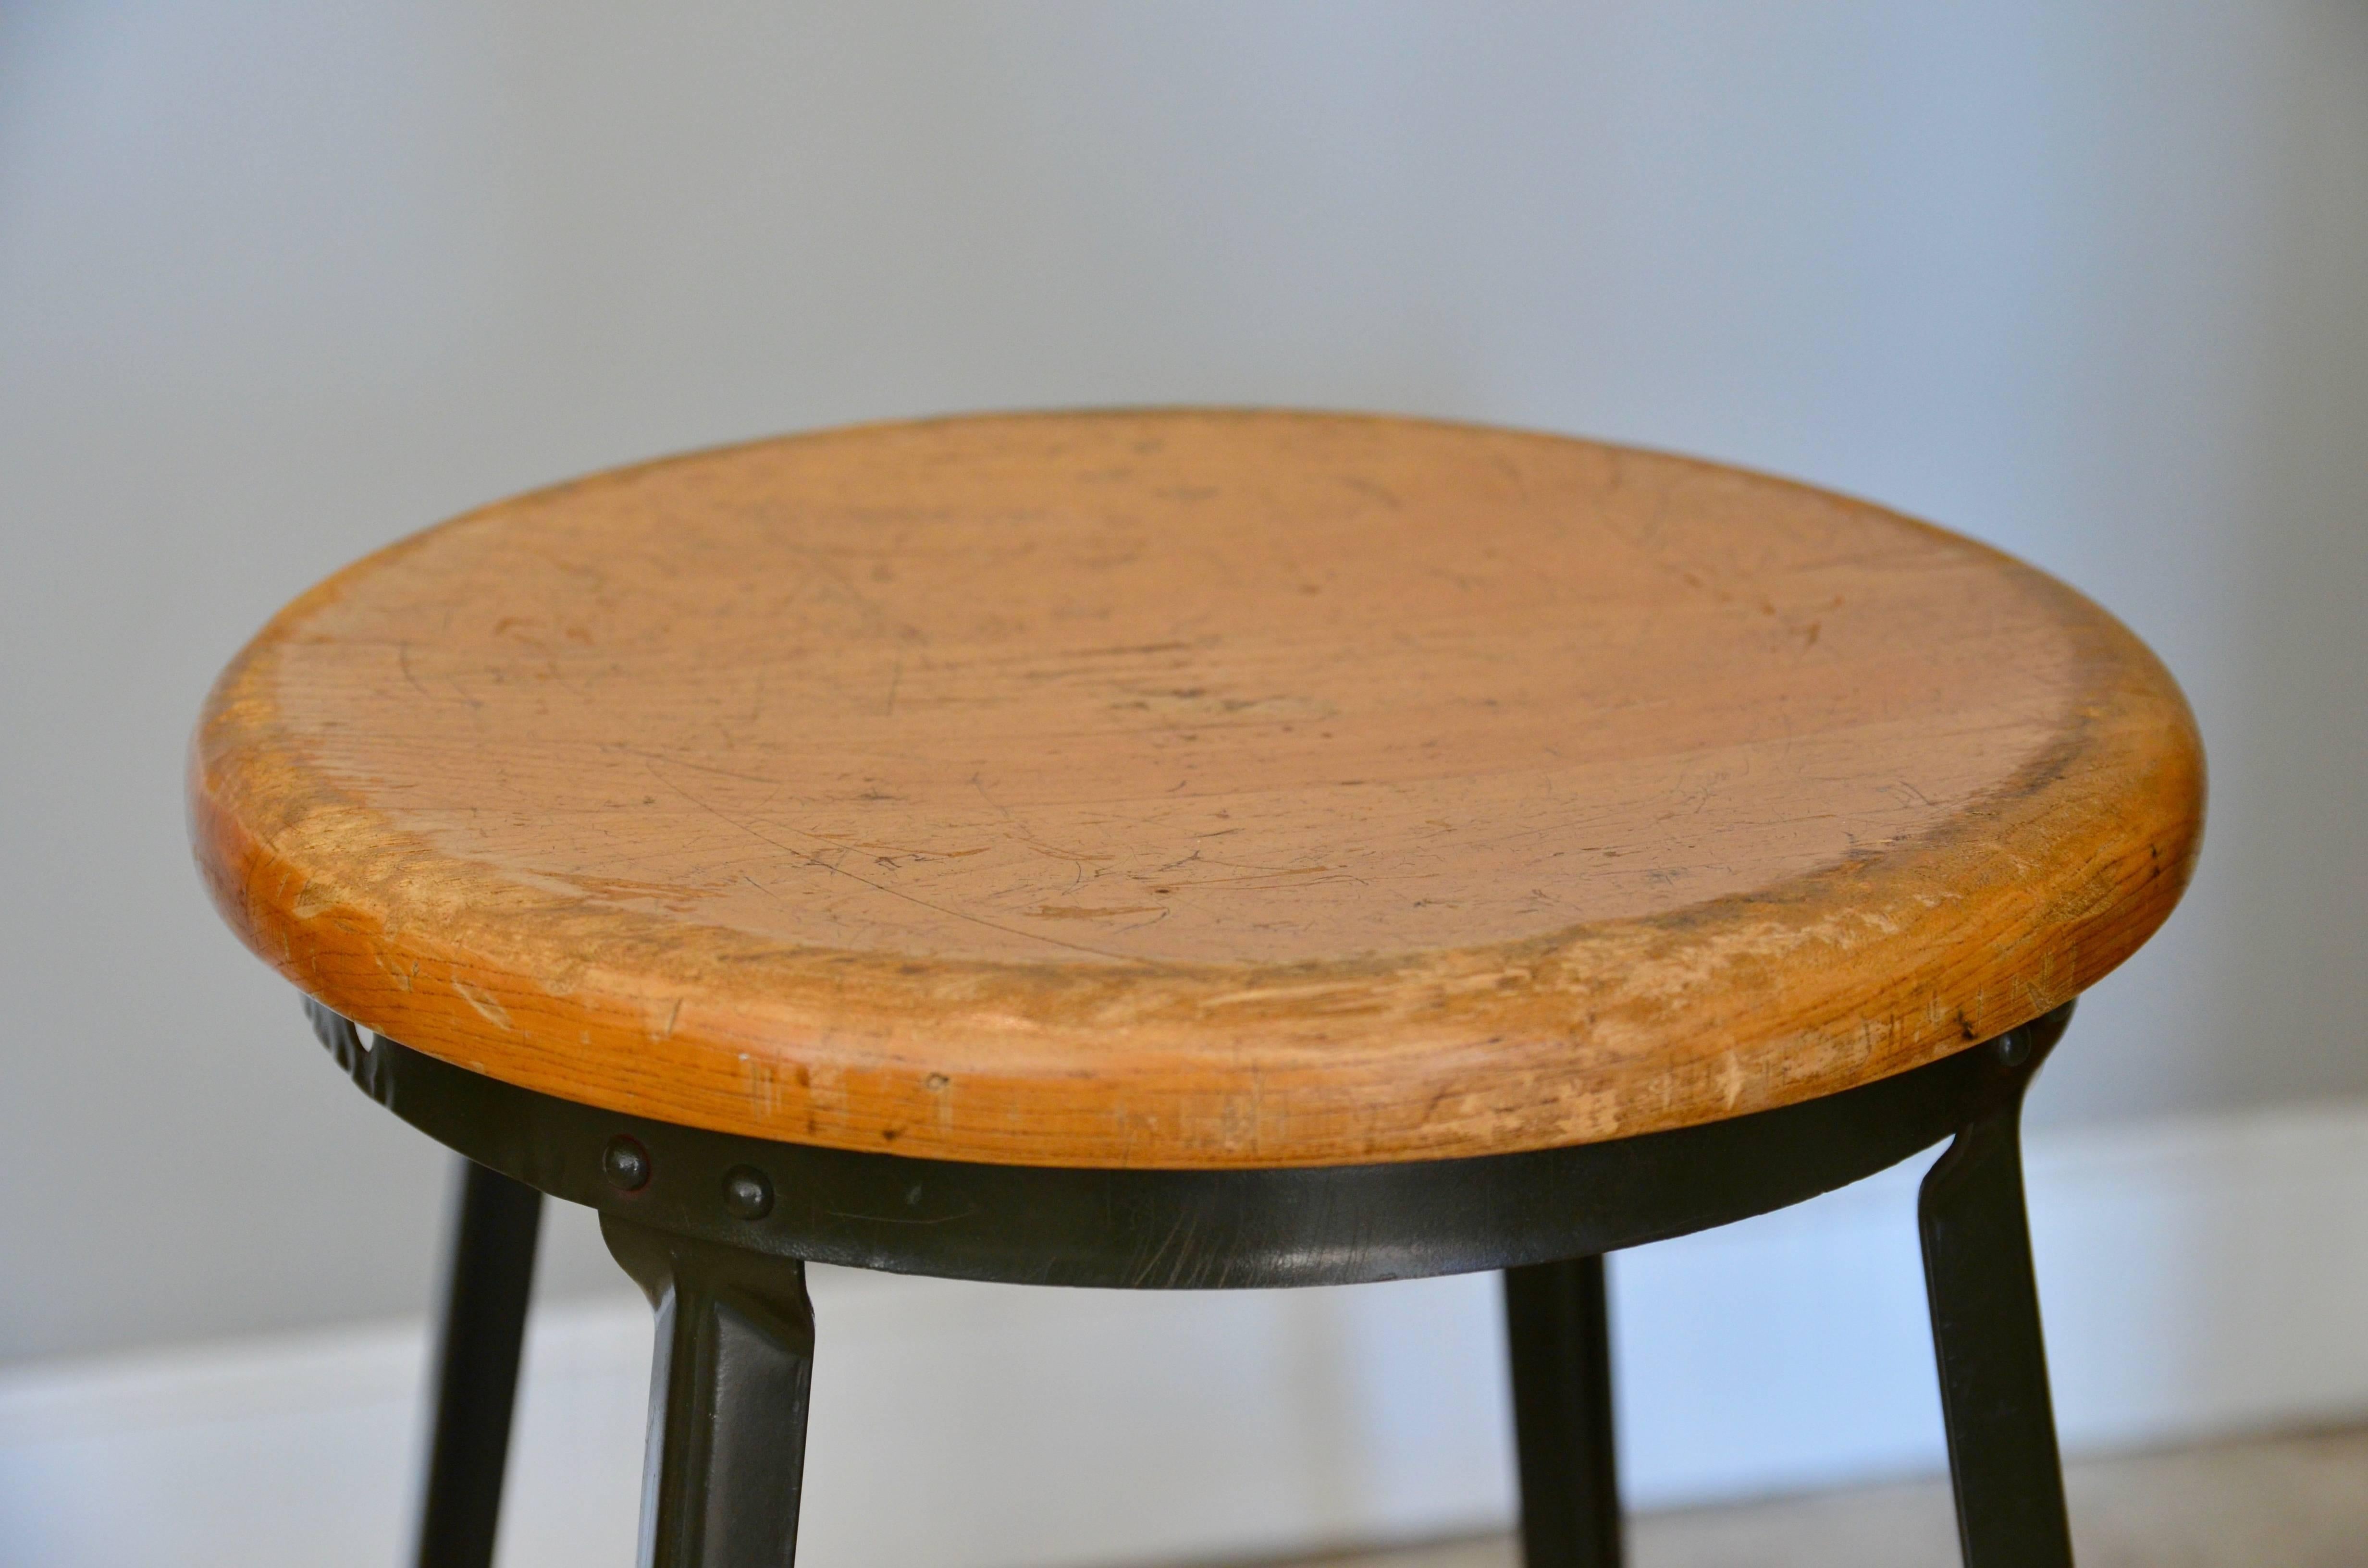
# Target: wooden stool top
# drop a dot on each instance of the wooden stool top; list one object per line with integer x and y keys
{"x": 1192, "y": 790}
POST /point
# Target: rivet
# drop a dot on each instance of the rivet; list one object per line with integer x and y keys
{"x": 626, "y": 1164}
{"x": 2013, "y": 1048}
{"x": 747, "y": 1193}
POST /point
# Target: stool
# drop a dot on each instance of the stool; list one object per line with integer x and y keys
{"x": 1193, "y": 850}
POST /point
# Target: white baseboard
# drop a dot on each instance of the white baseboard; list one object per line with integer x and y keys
{"x": 2199, "y": 1277}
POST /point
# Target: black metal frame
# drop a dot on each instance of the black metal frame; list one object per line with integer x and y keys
{"x": 487, "y": 1279}
{"x": 718, "y": 1228}
{"x": 1558, "y": 1337}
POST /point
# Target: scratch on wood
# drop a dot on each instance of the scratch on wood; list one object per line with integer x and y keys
{"x": 488, "y": 1006}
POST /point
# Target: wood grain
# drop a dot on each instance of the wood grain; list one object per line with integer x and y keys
{"x": 1192, "y": 790}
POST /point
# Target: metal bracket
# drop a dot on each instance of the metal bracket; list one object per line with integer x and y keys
{"x": 735, "y": 1339}
{"x": 1984, "y": 1296}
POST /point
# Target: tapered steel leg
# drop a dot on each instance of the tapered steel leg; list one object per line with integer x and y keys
{"x": 1559, "y": 1328}
{"x": 727, "y": 1400}
{"x": 1985, "y": 1300}
{"x": 488, "y": 1278}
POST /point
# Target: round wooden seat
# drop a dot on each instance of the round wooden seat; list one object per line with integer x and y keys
{"x": 1192, "y": 790}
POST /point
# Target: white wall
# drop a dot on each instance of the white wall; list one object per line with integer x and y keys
{"x": 280, "y": 281}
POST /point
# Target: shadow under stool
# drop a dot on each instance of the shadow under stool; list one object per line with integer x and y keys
{"x": 1189, "y": 850}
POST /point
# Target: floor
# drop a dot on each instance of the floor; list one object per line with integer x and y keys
{"x": 2290, "y": 1501}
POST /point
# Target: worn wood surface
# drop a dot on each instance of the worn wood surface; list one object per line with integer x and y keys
{"x": 1192, "y": 790}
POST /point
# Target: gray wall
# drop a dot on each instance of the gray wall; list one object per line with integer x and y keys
{"x": 279, "y": 282}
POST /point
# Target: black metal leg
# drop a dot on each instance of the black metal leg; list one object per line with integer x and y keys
{"x": 1559, "y": 1328}
{"x": 1985, "y": 1300}
{"x": 727, "y": 1400}
{"x": 489, "y": 1278}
